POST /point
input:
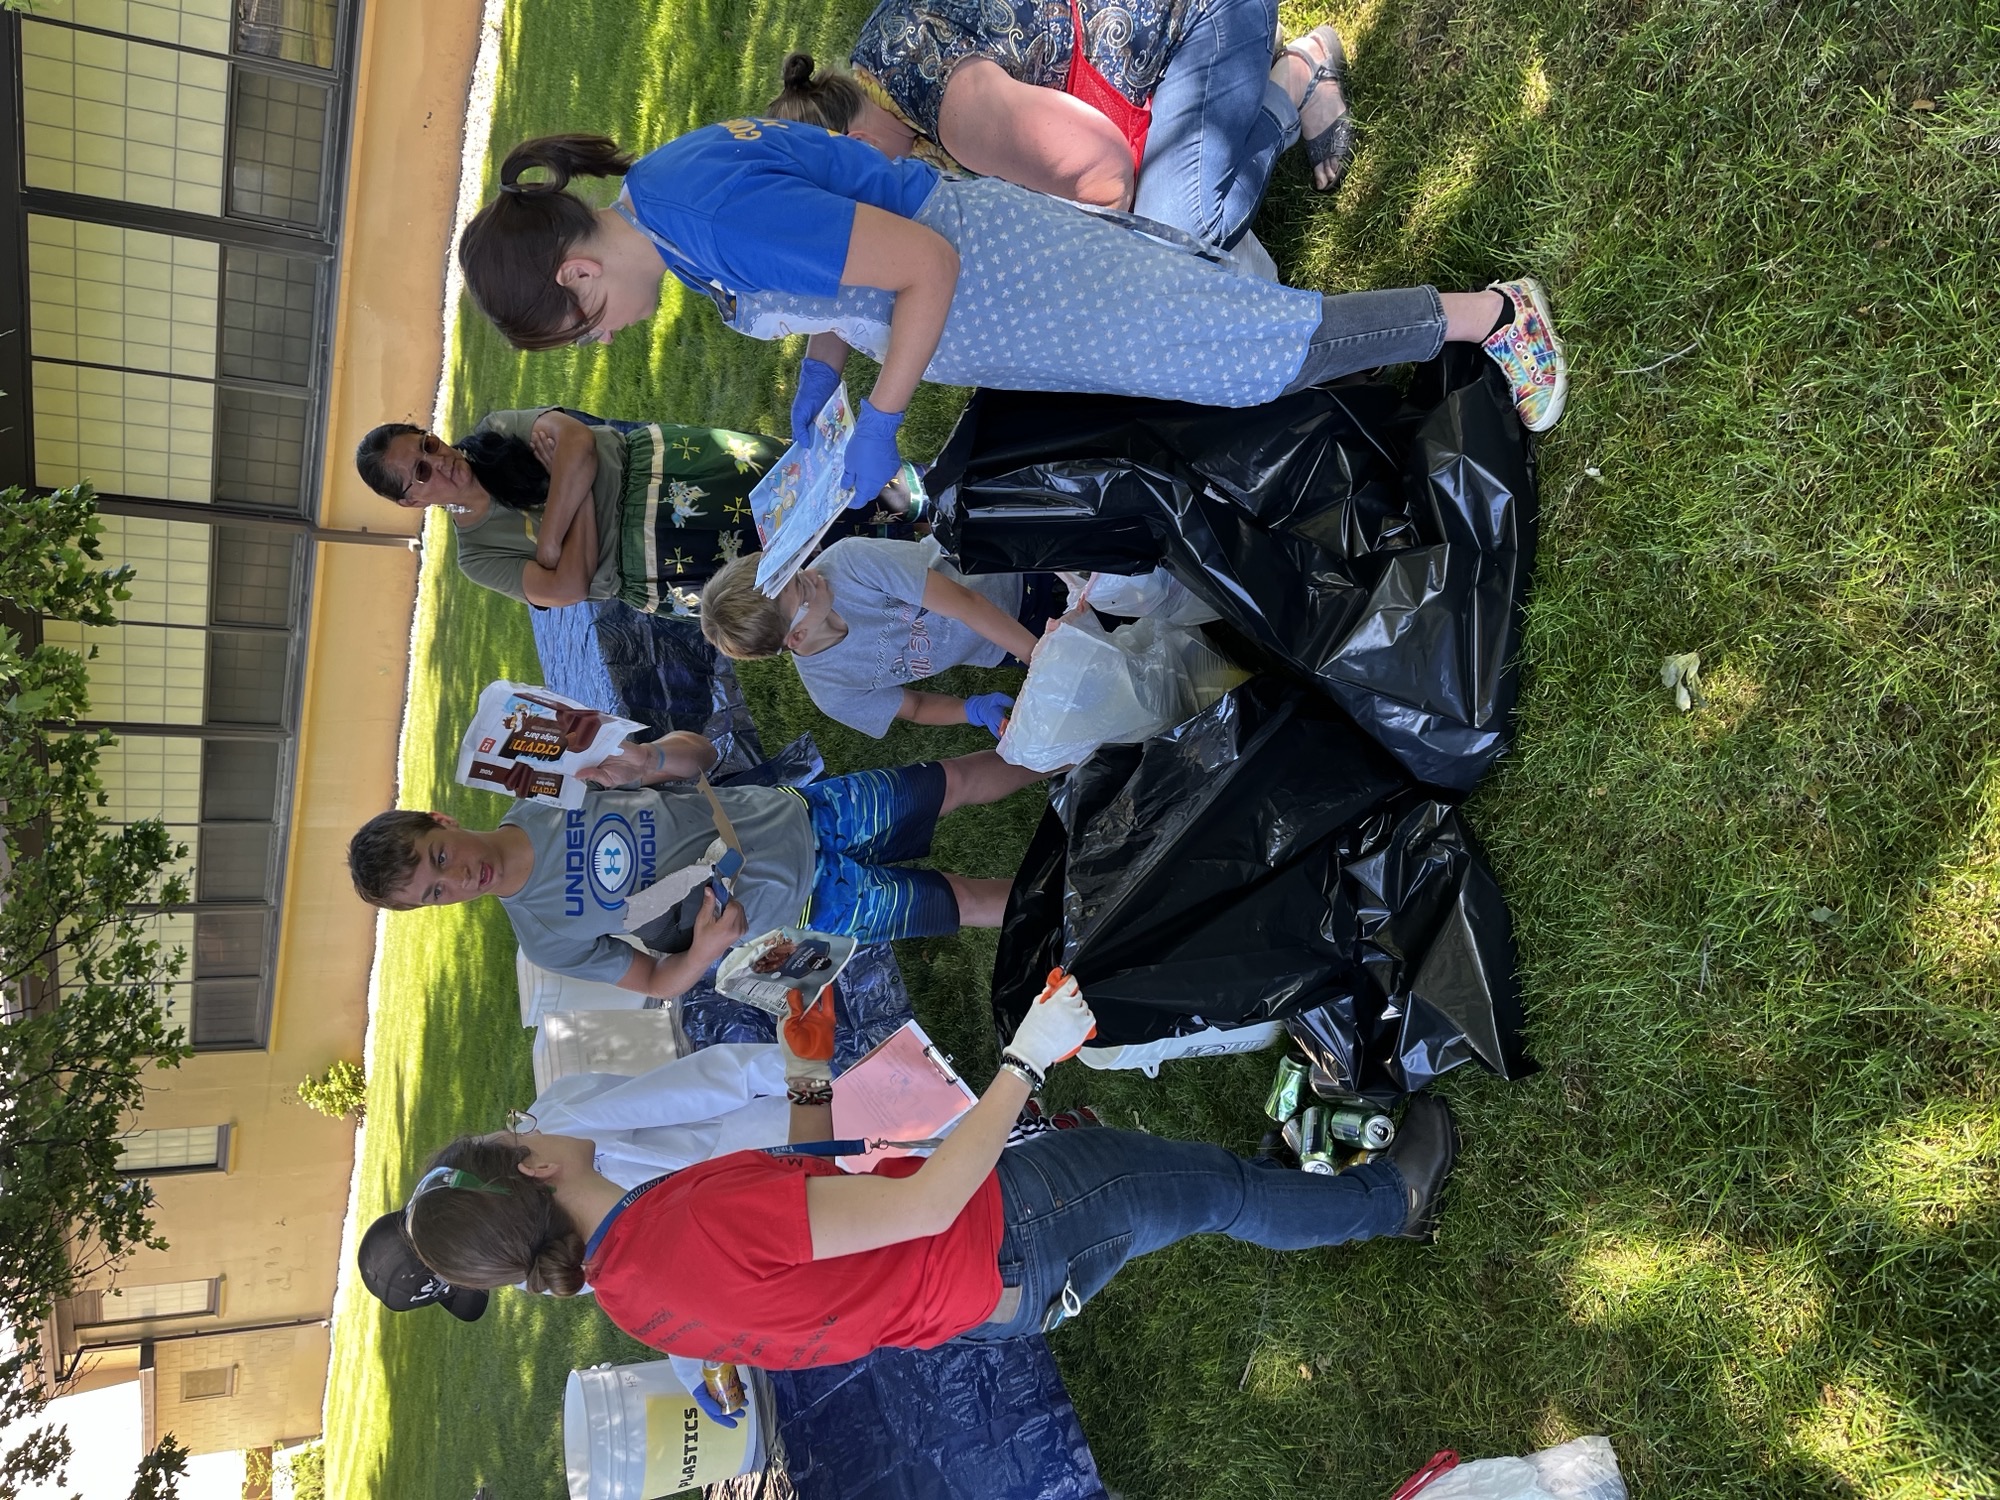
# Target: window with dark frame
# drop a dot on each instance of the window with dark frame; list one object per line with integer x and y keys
{"x": 174, "y": 1150}
{"x": 274, "y": 245}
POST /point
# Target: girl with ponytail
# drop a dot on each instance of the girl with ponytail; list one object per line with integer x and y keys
{"x": 789, "y": 229}
{"x": 779, "y": 1259}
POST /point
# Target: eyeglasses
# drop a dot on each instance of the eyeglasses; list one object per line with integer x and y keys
{"x": 519, "y": 1122}
{"x": 422, "y": 470}
{"x": 808, "y": 595}
{"x": 448, "y": 1177}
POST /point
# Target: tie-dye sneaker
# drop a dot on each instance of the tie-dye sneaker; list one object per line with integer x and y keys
{"x": 1530, "y": 355}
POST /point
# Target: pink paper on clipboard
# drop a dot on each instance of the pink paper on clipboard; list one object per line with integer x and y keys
{"x": 905, "y": 1090}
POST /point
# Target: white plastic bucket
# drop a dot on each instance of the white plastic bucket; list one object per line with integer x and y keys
{"x": 632, "y": 1432}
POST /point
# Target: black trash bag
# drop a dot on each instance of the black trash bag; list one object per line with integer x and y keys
{"x": 1268, "y": 861}
{"x": 1375, "y": 546}
{"x": 795, "y": 765}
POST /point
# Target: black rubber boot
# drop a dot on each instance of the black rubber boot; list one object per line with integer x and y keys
{"x": 1425, "y": 1148}
{"x": 1274, "y": 1148}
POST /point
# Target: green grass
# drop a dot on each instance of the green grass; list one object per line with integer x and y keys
{"x": 1746, "y": 1220}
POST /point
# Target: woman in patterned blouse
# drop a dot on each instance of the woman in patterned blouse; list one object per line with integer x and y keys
{"x": 989, "y": 86}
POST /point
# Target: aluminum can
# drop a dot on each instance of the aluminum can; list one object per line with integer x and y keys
{"x": 725, "y": 1386}
{"x": 1314, "y": 1146}
{"x": 1286, "y": 1090}
{"x": 1360, "y": 1125}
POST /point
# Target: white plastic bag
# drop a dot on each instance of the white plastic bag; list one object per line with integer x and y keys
{"x": 1487, "y": 1479}
{"x": 1088, "y": 687}
{"x": 1156, "y": 595}
{"x": 1583, "y": 1469}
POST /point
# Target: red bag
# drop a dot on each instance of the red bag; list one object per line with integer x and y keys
{"x": 1094, "y": 89}
{"x": 1441, "y": 1462}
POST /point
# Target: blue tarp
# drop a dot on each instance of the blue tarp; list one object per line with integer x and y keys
{"x": 975, "y": 1420}
{"x": 653, "y": 668}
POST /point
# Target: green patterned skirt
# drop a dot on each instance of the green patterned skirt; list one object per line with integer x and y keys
{"x": 686, "y": 510}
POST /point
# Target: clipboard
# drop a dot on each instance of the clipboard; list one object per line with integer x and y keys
{"x": 904, "y": 1090}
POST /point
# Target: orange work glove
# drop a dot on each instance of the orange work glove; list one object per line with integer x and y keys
{"x": 806, "y": 1038}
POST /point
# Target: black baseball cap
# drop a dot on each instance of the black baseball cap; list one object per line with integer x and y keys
{"x": 391, "y": 1269}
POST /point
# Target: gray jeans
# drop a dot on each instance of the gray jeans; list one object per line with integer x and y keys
{"x": 1360, "y": 330}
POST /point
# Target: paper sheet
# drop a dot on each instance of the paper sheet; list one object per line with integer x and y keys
{"x": 904, "y": 1090}
{"x": 664, "y": 894}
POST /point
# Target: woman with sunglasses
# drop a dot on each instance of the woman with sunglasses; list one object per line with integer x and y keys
{"x": 553, "y": 507}
{"x": 778, "y": 1259}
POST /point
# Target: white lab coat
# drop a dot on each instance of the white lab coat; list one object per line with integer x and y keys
{"x": 729, "y": 1097}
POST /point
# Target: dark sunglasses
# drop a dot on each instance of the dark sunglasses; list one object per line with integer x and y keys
{"x": 422, "y": 470}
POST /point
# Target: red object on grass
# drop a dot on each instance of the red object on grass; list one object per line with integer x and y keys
{"x": 1441, "y": 1462}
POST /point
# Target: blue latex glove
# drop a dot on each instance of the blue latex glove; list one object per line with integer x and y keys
{"x": 712, "y": 1409}
{"x": 987, "y": 710}
{"x": 872, "y": 458}
{"x": 817, "y": 381}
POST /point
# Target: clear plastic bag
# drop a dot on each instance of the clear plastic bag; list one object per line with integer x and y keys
{"x": 1090, "y": 687}
{"x": 1585, "y": 1468}
{"x": 1157, "y": 595}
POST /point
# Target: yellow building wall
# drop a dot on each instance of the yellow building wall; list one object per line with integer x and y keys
{"x": 272, "y": 1375}
{"x": 416, "y": 71}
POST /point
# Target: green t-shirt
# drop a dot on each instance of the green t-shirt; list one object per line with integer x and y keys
{"x": 494, "y": 551}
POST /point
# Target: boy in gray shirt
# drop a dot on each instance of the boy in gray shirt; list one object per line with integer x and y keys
{"x": 871, "y": 616}
{"x": 825, "y": 856}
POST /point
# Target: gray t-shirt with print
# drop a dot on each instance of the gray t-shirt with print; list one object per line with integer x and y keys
{"x": 588, "y": 860}
{"x": 878, "y": 589}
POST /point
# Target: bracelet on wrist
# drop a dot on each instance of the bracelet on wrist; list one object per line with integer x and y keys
{"x": 813, "y": 1093}
{"x": 1026, "y": 1071}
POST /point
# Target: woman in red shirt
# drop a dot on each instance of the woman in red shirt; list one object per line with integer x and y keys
{"x": 778, "y": 1259}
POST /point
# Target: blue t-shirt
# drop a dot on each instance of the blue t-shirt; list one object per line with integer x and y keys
{"x": 768, "y": 205}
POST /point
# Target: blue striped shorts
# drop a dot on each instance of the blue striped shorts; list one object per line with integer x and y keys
{"x": 863, "y": 824}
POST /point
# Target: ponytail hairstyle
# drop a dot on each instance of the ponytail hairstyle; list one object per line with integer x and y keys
{"x": 506, "y": 468}
{"x": 369, "y": 455}
{"x": 510, "y": 1230}
{"x": 830, "y": 101}
{"x": 514, "y": 246}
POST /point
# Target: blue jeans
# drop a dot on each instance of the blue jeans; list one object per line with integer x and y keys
{"x": 1360, "y": 330}
{"x": 1080, "y": 1203}
{"x": 1219, "y": 123}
